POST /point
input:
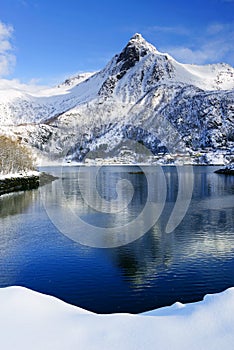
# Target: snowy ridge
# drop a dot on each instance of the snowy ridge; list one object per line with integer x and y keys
{"x": 76, "y": 79}
{"x": 208, "y": 324}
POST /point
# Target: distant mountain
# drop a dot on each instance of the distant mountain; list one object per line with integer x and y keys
{"x": 76, "y": 79}
{"x": 141, "y": 95}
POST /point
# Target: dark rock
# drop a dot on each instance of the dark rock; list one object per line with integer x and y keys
{"x": 24, "y": 183}
{"x": 131, "y": 54}
{"x": 228, "y": 170}
{"x": 136, "y": 172}
{"x": 15, "y": 184}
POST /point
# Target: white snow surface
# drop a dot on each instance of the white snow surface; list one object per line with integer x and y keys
{"x": 19, "y": 175}
{"x": 29, "y": 320}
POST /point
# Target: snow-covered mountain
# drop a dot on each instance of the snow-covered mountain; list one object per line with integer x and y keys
{"x": 141, "y": 95}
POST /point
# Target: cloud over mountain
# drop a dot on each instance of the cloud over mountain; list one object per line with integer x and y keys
{"x": 7, "y": 58}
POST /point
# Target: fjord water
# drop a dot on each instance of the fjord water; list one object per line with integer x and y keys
{"x": 155, "y": 270}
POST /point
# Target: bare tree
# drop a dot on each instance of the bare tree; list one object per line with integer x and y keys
{"x": 14, "y": 157}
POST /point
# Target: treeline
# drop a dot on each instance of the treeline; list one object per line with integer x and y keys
{"x": 14, "y": 157}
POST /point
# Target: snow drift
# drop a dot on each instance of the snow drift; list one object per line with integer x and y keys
{"x": 29, "y": 320}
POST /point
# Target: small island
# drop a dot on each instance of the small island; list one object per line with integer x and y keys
{"x": 227, "y": 170}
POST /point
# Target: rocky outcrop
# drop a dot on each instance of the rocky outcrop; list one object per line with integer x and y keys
{"x": 23, "y": 183}
{"x": 228, "y": 170}
{"x": 20, "y": 183}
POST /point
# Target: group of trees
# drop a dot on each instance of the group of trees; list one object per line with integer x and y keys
{"x": 14, "y": 157}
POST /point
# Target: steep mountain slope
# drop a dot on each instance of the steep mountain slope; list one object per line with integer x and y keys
{"x": 141, "y": 95}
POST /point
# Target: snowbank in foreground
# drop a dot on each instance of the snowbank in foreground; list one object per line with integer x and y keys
{"x": 29, "y": 320}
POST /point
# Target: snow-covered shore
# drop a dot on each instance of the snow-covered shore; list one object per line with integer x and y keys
{"x": 19, "y": 175}
{"x": 29, "y": 320}
{"x": 19, "y": 182}
{"x": 25, "y": 181}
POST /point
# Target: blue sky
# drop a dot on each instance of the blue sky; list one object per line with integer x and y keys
{"x": 46, "y": 40}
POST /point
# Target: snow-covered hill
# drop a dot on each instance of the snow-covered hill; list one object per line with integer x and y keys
{"x": 141, "y": 95}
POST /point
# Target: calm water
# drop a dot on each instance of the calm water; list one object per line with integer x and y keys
{"x": 155, "y": 270}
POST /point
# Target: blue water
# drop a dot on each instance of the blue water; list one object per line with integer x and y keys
{"x": 156, "y": 270}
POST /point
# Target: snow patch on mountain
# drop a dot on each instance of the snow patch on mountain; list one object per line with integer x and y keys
{"x": 76, "y": 79}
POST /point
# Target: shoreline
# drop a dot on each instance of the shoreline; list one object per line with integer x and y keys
{"x": 11, "y": 183}
{"x": 98, "y": 164}
{"x": 19, "y": 182}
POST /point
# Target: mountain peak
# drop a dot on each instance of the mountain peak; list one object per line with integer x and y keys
{"x": 136, "y": 48}
{"x": 137, "y": 36}
{"x": 138, "y": 40}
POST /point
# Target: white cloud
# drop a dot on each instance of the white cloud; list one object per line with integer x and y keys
{"x": 179, "y": 30}
{"x": 214, "y": 44}
{"x": 5, "y": 31}
{"x": 7, "y": 58}
{"x": 215, "y": 28}
{"x": 187, "y": 55}
{"x": 32, "y": 86}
